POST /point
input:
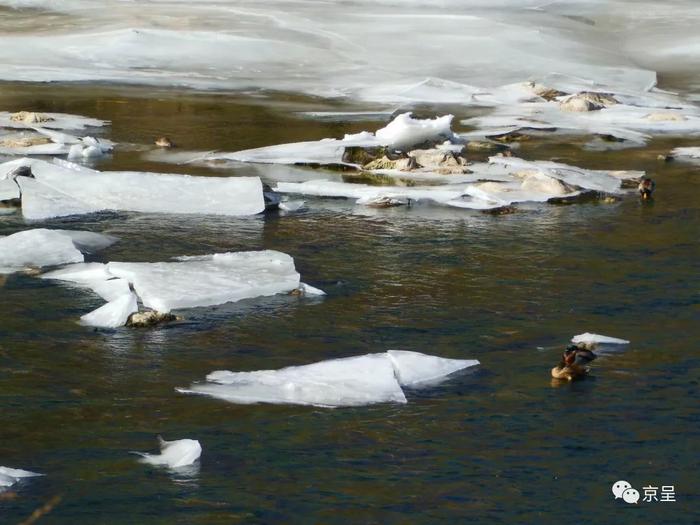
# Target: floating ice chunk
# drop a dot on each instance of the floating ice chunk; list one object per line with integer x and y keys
{"x": 594, "y": 339}
{"x": 36, "y": 248}
{"x": 174, "y": 454}
{"x": 48, "y": 120}
{"x": 691, "y": 154}
{"x": 59, "y": 191}
{"x": 8, "y": 190}
{"x": 40, "y": 201}
{"x": 80, "y": 273}
{"x": 352, "y": 381}
{"x": 37, "y": 149}
{"x": 307, "y": 289}
{"x": 209, "y": 280}
{"x": 113, "y": 314}
{"x": 10, "y": 476}
{"x": 291, "y": 206}
{"x": 9, "y": 170}
{"x": 414, "y": 368}
{"x": 89, "y": 242}
{"x": 404, "y": 131}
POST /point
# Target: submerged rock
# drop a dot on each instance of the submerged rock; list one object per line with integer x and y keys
{"x": 362, "y": 155}
{"x": 441, "y": 161}
{"x": 485, "y": 146}
{"x": 151, "y": 318}
{"x": 587, "y": 101}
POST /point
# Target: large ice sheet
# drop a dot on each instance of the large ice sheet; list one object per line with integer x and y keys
{"x": 59, "y": 190}
{"x": 352, "y": 381}
{"x": 209, "y": 280}
{"x": 42, "y": 247}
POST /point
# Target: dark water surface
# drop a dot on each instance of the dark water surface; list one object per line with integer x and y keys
{"x": 499, "y": 445}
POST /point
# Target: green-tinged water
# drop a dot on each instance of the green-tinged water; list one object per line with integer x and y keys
{"x": 502, "y": 444}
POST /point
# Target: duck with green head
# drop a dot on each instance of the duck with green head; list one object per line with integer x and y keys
{"x": 573, "y": 364}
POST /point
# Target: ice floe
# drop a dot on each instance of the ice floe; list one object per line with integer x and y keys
{"x": 42, "y": 247}
{"x": 352, "y": 381}
{"x": 188, "y": 282}
{"x": 595, "y": 339}
{"x": 174, "y": 454}
{"x": 64, "y": 189}
{"x": 10, "y": 476}
{"x": 689, "y": 154}
{"x": 619, "y": 118}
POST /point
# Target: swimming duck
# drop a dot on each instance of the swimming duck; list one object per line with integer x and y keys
{"x": 164, "y": 142}
{"x": 646, "y": 188}
{"x": 573, "y": 363}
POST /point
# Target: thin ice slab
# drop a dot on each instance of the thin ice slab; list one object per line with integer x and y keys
{"x": 173, "y": 454}
{"x": 352, "y": 381}
{"x": 41, "y": 247}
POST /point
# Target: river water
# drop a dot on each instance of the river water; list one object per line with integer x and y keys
{"x": 501, "y": 444}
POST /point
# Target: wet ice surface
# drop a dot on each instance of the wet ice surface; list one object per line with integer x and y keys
{"x": 353, "y": 381}
{"x": 10, "y": 476}
{"x": 174, "y": 454}
{"x": 61, "y": 190}
{"x": 41, "y": 247}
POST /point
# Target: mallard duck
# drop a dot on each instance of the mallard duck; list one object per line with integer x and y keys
{"x": 164, "y": 142}
{"x": 646, "y": 188}
{"x": 573, "y": 363}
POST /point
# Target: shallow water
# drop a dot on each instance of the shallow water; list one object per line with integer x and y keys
{"x": 498, "y": 445}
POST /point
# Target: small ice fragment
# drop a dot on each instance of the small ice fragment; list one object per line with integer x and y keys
{"x": 307, "y": 289}
{"x": 405, "y": 131}
{"x": 414, "y": 368}
{"x": 174, "y": 454}
{"x": 291, "y": 205}
{"x": 113, "y": 314}
{"x": 10, "y": 476}
{"x": 593, "y": 339}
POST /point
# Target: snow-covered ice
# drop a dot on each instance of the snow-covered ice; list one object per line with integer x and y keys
{"x": 173, "y": 454}
{"x": 352, "y": 381}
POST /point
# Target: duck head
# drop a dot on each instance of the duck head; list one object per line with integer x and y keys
{"x": 646, "y": 188}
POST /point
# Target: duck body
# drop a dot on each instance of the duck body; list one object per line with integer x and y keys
{"x": 646, "y": 188}
{"x": 574, "y": 363}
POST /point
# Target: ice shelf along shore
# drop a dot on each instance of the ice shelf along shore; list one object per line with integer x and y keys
{"x": 60, "y": 188}
{"x": 352, "y": 381}
{"x": 358, "y": 49}
{"x": 187, "y": 282}
{"x": 42, "y": 247}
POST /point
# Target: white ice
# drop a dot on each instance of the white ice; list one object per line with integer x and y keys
{"x": 58, "y": 190}
{"x": 416, "y": 50}
{"x": 352, "y": 381}
{"x": 174, "y": 454}
{"x": 113, "y": 314}
{"x": 593, "y": 339}
{"x": 9, "y": 190}
{"x": 186, "y": 283}
{"x": 10, "y": 476}
{"x": 691, "y": 154}
{"x": 42, "y": 247}
{"x": 404, "y": 131}
{"x": 209, "y": 280}
{"x": 58, "y": 121}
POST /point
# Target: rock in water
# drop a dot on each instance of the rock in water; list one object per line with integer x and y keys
{"x": 174, "y": 454}
{"x": 587, "y": 101}
{"x": 150, "y": 318}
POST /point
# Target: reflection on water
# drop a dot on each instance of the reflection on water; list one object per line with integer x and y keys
{"x": 499, "y": 445}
